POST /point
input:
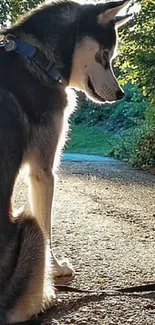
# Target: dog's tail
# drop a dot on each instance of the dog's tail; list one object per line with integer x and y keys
{"x": 25, "y": 285}
{"x": 34, "y": 321}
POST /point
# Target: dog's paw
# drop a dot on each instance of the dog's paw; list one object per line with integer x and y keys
{"x": 18, "y": 212}
{"x": 63, "y": 268}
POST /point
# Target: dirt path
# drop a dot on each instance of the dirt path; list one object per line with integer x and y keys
{"x": 104, "y": 221}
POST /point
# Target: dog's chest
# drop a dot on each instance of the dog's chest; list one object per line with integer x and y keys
{"x": 47, "y": 139}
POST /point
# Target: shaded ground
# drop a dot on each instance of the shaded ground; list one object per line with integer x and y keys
{"x": 104, "y": 221}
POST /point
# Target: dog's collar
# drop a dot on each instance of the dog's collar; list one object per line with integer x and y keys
{"x": 11, "y": 43}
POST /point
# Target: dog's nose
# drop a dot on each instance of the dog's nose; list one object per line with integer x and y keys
{"x": 120, "y": 94}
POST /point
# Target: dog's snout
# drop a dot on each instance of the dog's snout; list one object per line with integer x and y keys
{"x": 120, "y": 94}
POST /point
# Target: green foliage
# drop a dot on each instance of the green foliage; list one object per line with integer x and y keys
{"x": 126, "y": 142}
{"x": 144, "y": 153}
{"x": 129, "y": 112}
{"x": 127, "y": 127}
{"x": 10, "y": 10}
{"x": 137, "y": 51}
{"x": 87, "y": 114}
{"x": 124, "y": 113}
{"x": 150, "y": 116}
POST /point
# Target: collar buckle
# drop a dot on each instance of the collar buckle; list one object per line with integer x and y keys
{"x": 9, "y": 42}
{"x": 10, "y": 45}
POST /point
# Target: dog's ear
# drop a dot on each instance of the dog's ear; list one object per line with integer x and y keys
{"x": 121, "y": 20}
{"x": 111, "y": 10}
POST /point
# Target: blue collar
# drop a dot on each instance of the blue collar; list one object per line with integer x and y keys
{"x": 11, "y": 43}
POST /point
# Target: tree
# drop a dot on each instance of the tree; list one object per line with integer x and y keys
{"x": 137, "y": 51}
{"x": 10, "y": 10}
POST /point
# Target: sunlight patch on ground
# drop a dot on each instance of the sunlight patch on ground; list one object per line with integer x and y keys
{"x": 83, "y": 157}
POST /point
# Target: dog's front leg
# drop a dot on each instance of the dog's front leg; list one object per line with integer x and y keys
{"x": 41, "y": 191}
{"x": 62, "y": 268}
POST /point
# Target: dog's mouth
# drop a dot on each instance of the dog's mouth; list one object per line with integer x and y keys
{"x": 93, "y": 91}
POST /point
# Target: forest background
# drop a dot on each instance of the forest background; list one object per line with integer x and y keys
{"x": 125, "y": 129}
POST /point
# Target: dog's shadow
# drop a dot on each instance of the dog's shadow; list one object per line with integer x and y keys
{"x": 64, "y": 306}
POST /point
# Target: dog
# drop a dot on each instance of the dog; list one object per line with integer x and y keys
{"x": 54, "y": 48}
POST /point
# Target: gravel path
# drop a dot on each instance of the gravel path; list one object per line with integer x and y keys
{"x": 104, "y": 222}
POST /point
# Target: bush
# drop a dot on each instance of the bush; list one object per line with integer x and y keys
{"x": 90, "y": 114}
{"x": 122, "y": 114}
{"x": 130, "y": 122}
{"x": 144, "y": 153}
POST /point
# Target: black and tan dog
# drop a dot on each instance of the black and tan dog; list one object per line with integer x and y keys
{"x": 56, "y": 46}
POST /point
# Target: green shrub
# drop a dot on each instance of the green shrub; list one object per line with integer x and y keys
{"x": 150, "y": 115}
{"x": 129, "y": 125}
{"x": 90, "y": 114}
{"x": 122, "y": 114}
{"x": 144, "y": 153}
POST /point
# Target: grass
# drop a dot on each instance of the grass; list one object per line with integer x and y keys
{"x": 88, "y": 140}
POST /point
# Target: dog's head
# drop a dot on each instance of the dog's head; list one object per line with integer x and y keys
{"x": 95, "y": 48}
